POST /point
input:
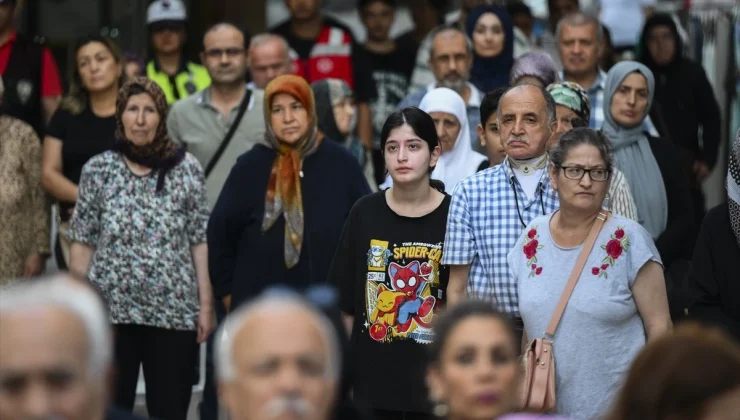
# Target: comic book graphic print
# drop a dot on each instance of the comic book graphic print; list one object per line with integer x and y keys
{"x": 402, "y": 300}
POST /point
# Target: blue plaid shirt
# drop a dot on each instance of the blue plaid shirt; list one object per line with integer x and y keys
{"x": 596, "y": 96}
{"x": 483, "y": 224}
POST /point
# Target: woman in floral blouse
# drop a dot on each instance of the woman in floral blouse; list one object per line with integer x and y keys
{"x": 620, "y": 300}
{"x": 139, "y": 232}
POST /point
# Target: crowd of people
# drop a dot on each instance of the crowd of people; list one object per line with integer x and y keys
{"x": 367, "y": 230}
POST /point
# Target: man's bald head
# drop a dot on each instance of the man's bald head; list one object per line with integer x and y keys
{"x": 57, "y": 346}
{"x": 278, "y": 354}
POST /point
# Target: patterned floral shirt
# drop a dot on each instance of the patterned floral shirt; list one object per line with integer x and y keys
{"x": 142, "y": 261}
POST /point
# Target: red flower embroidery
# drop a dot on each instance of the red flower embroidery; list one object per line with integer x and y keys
{"x": 618, "y": 244}
{"x": 531, "y": 245}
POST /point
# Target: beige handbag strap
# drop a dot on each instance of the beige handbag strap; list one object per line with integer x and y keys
{"x": 588, "y": 244}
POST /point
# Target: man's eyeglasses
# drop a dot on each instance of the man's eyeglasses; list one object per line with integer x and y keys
{"x": 576, "y": 173}
{"x": 218, "y": 52}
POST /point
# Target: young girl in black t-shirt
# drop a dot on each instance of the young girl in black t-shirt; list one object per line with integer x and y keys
{"x": 387, "y": 269}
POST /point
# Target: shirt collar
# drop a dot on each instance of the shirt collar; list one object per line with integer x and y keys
{"x": 598, "y": 84}
{"x": 203, "y": 98}
{"x": 510, "y": 175}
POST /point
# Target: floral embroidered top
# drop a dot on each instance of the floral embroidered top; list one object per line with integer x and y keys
{"x": 142, "y": 261}
{"x": 601, "y": 330}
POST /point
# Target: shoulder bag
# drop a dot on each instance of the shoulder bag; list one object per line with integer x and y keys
{"x": 234, "y": 125}
{"x": 538, "y": 361}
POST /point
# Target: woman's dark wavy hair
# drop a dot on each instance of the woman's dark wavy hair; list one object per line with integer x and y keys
{"x": 450, "y": 320}
{"x": 77, "y": 99}
{"x": 423, "y": 126}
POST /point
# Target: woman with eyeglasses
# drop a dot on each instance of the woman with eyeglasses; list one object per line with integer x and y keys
{"x": 619, "y": 302}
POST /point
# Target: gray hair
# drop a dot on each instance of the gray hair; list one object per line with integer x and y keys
{"x": 549, "y": 102}
{"x": 580, "y": 136}
{"x": 450, "y": 28}
{"x": 580, "y": 19}
{"x": 266, "y": 38}
{"x": 224, "y": 339}
{"x": 80, "y": 300}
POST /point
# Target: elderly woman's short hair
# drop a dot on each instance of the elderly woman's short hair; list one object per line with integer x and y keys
{"x": 80, "y": 300}
{"x": 272, "y": 303}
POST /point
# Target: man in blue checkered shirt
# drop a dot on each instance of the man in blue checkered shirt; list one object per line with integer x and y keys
{"x": 491, "y": 209}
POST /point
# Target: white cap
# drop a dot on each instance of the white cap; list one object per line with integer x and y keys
{"x": 166, "y": 10}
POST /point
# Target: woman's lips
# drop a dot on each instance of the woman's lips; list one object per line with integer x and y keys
{"x": 489, "y": 398}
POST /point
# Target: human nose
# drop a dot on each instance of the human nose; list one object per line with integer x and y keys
{"x": 37, "y": 402}
{"x": 440, "y": 129}
{"x": 288, "y": 115}
{"x": 289, "y": 380}
{"x": 577, "y": 48}
{"x": 632, "y": 98}
{"x": 586, "y": 180}
{"x": 140, "y": 117}
{"x": 518, "y": 128}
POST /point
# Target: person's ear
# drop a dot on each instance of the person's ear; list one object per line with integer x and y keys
{"x": 202, "y": 56}
{"x": 435, "y": 156}
{"x": 481, "y": 135}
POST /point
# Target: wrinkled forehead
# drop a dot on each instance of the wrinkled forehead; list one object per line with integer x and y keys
{"x": 523, "y": 99}
{"x": 287, "y": 335}
{"x": 42, "y": 339}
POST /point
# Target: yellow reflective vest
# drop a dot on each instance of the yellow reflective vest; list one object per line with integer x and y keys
{"x": 193, "y": 78}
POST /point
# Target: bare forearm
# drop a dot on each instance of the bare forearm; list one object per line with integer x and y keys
{"x": 200, "y": 261}
{"x": 59, "y": 187}
{"x": 348, "y": 321}
{"x": 49, "y": 106}
{"x": 458, "y": 284}
{"x": 365, "y": 125}
{"x": 80, "y": 256}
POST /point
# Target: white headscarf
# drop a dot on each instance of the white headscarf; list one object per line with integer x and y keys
{"x": 462, "y": 161}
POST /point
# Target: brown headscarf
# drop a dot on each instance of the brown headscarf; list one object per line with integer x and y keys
{"x": 284, "y": 186}
{"x": 162, "y": 153}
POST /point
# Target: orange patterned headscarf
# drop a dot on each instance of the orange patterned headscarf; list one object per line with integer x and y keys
{"x": 284, "y": 186}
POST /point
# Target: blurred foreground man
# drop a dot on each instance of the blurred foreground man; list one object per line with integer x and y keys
{"x": 278, "y": 358}
{"x": 55, "y": 351}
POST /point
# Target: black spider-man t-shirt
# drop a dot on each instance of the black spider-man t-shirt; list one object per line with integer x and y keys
{"x": 388, "y": 272}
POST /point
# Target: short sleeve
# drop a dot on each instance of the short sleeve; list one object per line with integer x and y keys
{"x": 85, "y": 223}
{"x": 459, "y": 239}
{"x": 57, "y": 127}
{"x": 198, "y": 211}
{"x": 642, "y": 250}
{"x": 342, "y": 274}
{"x": 51, "y": 84}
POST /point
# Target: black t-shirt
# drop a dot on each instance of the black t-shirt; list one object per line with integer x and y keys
{"x": 391, "y": 73}
{"x": 388, "y": 272}
{"x": 364, "y": 89}
{"x": 83, "y": 136}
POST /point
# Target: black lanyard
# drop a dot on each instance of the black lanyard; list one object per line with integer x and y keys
{"x": 516, "y": 201}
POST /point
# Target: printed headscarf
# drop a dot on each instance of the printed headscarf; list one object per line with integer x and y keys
{"x": 633, "y": 154}
{"x": 329, "y": 93}
{"x": 572, "y": 96}
{"x": 284, "y": 196}
{"x": 733, "y": 188}
{"x": 537, "y": 64}
{"x": 162, "y": 154}
{"x": 489, "y": 73}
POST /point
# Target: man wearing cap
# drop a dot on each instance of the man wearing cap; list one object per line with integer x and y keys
{"x": 33, "y": 88}
{"x": 178, "y": 77}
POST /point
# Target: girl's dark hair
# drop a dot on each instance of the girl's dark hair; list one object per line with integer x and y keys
{"x": 580, "y": 136}
{"x": 464, "y": 310}
{"x": 677, "y": 375}
{"x": 77, "y": 99}
{"x": 423, "y": 126}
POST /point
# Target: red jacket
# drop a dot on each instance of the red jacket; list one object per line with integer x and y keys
{"x": 331, "y": 57}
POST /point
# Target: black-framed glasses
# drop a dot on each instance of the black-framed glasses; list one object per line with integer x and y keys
{"x": 218, "y": 52}
{"x": 576, "y": 173}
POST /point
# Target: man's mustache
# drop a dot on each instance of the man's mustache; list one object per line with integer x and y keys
{"x": 522, "y": 139}
{"x": 287, "y": 404}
